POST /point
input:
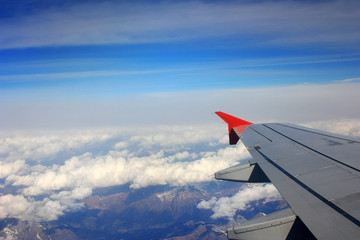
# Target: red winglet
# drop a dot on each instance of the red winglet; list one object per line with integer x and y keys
{"x": 236, "y": 126}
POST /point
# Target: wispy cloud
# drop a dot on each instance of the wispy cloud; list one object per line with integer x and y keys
{"x": 347, "y": 80}
{"x": 108, "y": 23}
{"x": 270, "y": 62}
{"x": 261, "y": 66}
{"x": 70, "y": 75}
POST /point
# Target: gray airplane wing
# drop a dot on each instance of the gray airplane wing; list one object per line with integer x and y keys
{"x": 317, "y": 173}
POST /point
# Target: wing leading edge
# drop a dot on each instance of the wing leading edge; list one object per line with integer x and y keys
{"x": 317, "y": 173}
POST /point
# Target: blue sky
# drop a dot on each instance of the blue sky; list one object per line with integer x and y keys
{"x": 89, "y": 51}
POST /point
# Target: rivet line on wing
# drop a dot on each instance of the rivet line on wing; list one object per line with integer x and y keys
{"x": 310, "y": 190}
{"x": 322, "y": 154}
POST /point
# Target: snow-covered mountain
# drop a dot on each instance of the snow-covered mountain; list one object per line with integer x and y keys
{"x": 150, "y": 213}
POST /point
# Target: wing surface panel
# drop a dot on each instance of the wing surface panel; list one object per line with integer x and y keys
{"x": 299, "y": 164}
{"x": 319, "y": 132}
{"x": 271, "y": 227}
{"x": 316, "y": 172}
{"x": 349, "y": 203}
{"x": 325, "y": 219}
{"x": 343, "y": 149}
{"x": 253, "y": 138}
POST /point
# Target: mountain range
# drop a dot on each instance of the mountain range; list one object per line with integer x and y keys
{"x": 159, "y": 212}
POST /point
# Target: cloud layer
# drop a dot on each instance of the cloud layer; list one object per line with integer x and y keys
{"x": 45, "y": 182}
{"x": 299, "y": 103}
{"x": 160, "y": 156}
{"x": 280, "y": 22}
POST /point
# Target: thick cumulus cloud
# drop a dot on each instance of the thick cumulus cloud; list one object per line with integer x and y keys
{"x": 143, "y": 157}
{"x": 11, "y": 168}
{"x": 116, "y": 168}
{"x": 84, "y": 160}
{"x": 24, "y": 208}
{"x": 227, "y": 206}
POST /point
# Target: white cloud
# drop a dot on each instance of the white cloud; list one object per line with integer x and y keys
{"x": 116, "y": 169}
{"x": 121, "y": 145}
{"x": 109, "y": 22}
{"x": 348, "y": 80}
{"x": 39, "y": 146}
{"x": 47, "y": 209}
{"x": 7, "y": 169}
{"x": 67, "y": 75}
{"x": 349, "y": 127}
{"x": 77, "y": 193}
{"x": 166, "y": 136}
{"x": 14, "y": 206}
{"x": 227, "y": 206}
{"x": 185, "y": 155}
{"x": 171, "y": 155}
{"x": 140, "y": 160}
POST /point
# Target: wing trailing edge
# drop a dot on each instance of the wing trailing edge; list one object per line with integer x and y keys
{"x": 250, "y": 173}
{"x": 283, "y": 224}
{"x": 236, "y": 126}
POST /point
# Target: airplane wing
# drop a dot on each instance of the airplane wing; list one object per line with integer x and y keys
{"x": 316, "y": 172}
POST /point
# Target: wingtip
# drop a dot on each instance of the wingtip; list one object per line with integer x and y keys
{"x": 236, "y": 126}
{"x": 231, "y": 120}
